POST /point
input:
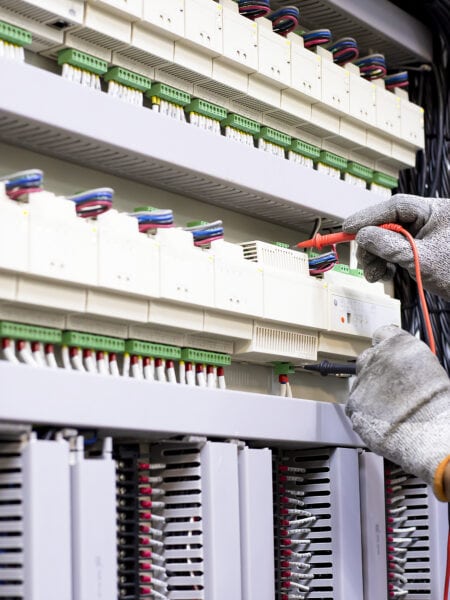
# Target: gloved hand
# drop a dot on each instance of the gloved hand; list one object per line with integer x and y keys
{"x": 400, "y": 405}
{"x": 379, "y": 250}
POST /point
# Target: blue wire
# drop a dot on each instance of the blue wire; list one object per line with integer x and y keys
{"x": 291, "y": 14}
{"x": 24, "y": 181}
{"x": 319, "y": 33}
{"x": 207, "y": 232}
{"x": 100, "y": 194}
{"x": 154, "y": 219}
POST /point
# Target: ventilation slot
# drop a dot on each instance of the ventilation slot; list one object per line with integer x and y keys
{"x": 303, "y": 530}
{"x": 277, "y": 257}
{"x": 11, "y": 521}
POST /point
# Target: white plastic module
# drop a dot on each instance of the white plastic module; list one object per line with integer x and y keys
{"x": 186, "y": 272}
{"x": 412, "y": 123}
{"x": 306, "y": 69}
{"x": 221, "y": 523}
{"x": 274, "y": 65}
{"x": 13, "y": 233}
{"x": 47, "y": 11}
{"x": 203, "y": 25}
{"x": 238, "y": 283}
{"x": 240, "y": 39}
{"x": 168, "y": 17}
{"x": 276, "y": 257}
{"x": 104, "y": 28}
{"x": 61, "y": 244}
{"x": 94, "y": 516}
{"x": 362, "y": 98}
{"x": 335, "y": 83}
{"x": 388, "y": 111}
{"x": 256, "y": 524}
{"x": 357, "y": 308}
{"x": 127, "y": 259}
{"x": 44, "y": 37}
{"x": 47, "y": 534}
{"x": 129, "y": 9}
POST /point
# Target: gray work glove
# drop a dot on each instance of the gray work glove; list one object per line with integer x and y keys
{"x": 379, "y": 250}
{"x": 400, "y": 405}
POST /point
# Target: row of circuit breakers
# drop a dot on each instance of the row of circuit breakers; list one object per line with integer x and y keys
{"x": 207, "y": 520}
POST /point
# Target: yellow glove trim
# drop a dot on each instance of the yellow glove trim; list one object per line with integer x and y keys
{"x": 438, "y": 483}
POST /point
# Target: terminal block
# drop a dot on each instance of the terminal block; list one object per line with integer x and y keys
{"x": 128, "y": 79}
{"x": 303, "y": 153}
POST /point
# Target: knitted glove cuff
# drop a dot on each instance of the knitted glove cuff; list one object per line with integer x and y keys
{"x": 438, "y": 482}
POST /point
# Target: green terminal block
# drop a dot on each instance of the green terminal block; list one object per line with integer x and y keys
{"x": 207, "y": 109}
{"x": 358, "y": 170}
{"x": 144, "y": 209}
{"x": 89, "y": 341}
{"x": 83, "y": 61}
{"x": 307, "y": 150}
{"x": 168, "y": 93}
{"x": 357, "y": 272}
{"x": 275, "y": 137}
{"x": 283, "y": 368}
{"x": 341, "y": 269}
{"x": 242, "y": 124}
{"x": 152, "y": 350}
{"x": 30, "y": 333}
{"x": 14, "y": 35}
{"x": 204, "y": 357}
{"x": 333, "y": 160}
{"x": 128, "y": 78}
{"x": 196, "y": 223}
{"x": 385, "y": 180}
{"x": 280, "y": 244}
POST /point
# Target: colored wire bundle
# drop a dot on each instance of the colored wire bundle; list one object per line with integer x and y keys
{"x": 397, "y": 80}
{"x": 23, "y": 182}
{"x": 344, "y": 50}
{"x": 372, "y": 66}
{"x": 205, "y": 233}
{"x": 323, "y": 263}
{"x": 93, "y": 203}
{"x": 153, "y": 219}
{"x": 285, "y": 20}
{"x": 316, "y": 38}
{"x": 254, "y": 9}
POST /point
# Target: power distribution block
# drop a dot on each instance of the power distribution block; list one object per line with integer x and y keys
{"x": 362, "y": 99}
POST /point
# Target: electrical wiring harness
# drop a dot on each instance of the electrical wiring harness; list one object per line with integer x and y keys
{"x": 150, "y": 218}
{"x": 318, "y": 37}
{"x": 254, "y": 9}
{"x": 93, "y": 203}
{"x": 285, "y": 20}
{"x": 372, "y": 66}
{"x": 344, "y": 50}
{"x": 397, "y": 80}
{"x": 204, "y": 233}
{"x": 19, "y": 184}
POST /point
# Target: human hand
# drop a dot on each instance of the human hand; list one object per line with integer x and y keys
{"x": 379, "y": 250}
{"x": 400, "y": 405}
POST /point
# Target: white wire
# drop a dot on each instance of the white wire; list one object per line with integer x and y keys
{"x": 67, "y": 364}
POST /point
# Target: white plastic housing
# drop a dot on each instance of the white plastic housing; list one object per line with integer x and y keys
{"x": 335, "y": 86}
{"x": 166, "y": 16}
{"x": 203, "y": 25}
{"x": 238, "y": 283}
{"x": 388, "y": 111}
{"x": 13, "y": 233}
{"x": 240, "y": 41}
{"x": 186, "y": 272}
{"x": 412, "y": 123}
{"x": 128, "y": 9}
{"x": 127, "y": 260}
{"x": 274, "y": 55}
{"x": 61, "y": 245}
{"x": 306, "y": 72}
{"x": 362, "y": 99}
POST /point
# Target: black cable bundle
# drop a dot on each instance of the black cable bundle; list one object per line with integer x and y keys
{"x": 431, "y": 177}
